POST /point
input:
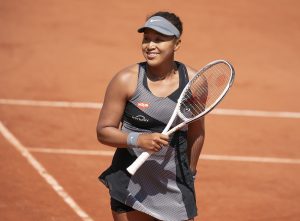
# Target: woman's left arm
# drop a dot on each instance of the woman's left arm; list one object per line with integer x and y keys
{"x": 196, "y": 135}
{"x": 195, "y": 140}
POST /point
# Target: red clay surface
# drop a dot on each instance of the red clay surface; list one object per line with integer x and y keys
{"x": 69, "y": 50}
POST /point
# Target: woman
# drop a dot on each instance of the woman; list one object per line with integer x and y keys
{"x": 138, "y": 103}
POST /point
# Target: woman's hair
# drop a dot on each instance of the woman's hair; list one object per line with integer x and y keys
{"x": 171, "y": 17}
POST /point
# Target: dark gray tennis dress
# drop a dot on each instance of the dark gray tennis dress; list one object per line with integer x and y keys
{"x": 163, "y": 187}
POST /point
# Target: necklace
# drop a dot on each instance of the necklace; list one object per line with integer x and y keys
{"x": 153, "y": 77}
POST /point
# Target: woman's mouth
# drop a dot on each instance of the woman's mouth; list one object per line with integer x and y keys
{"x": 151, "y": 55}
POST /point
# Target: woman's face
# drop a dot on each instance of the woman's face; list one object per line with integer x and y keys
{"x": 158, "y": 48}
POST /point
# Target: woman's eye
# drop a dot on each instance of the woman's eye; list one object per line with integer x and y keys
{"x": 156, "y": 40}
{"x": 146, "y": 40}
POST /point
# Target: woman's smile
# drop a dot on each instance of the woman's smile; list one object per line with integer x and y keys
{"x": 152, "y": 55}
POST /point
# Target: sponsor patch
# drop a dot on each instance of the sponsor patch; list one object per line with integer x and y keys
{"x": 142, "y": 105}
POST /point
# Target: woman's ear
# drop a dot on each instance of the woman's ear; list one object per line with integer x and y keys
{"x": 177, "y": 44}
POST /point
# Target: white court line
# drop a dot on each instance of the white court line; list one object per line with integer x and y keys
{"x": 43, "y": 172}
{"x": 255, "y": 113}
{"x": 67, "y": 104}
{"x": 71, "y": 151}
{"x": 203, "y": 156}
{"x": 93, "y": 105}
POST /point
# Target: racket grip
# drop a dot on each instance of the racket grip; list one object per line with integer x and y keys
{"x": 138, "y": 162}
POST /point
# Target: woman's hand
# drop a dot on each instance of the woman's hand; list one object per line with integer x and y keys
{"x": 152, "y": 142}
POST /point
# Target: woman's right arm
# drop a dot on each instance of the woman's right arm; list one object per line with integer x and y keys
{"x": 116, "y": 96}
{"x": 119, "y": 90}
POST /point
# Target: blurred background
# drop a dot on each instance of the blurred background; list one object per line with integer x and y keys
{"x": 56, "y": 59}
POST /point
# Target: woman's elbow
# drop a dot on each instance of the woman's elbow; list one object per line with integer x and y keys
{"x": 99, "y": 132}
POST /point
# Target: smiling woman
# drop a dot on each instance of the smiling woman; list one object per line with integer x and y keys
{"x": 141, "y": 98}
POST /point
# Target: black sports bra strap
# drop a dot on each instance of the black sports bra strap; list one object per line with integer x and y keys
{"x": 183, "y": 75}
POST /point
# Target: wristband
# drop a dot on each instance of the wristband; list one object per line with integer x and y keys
{"x": 132, "y": 139}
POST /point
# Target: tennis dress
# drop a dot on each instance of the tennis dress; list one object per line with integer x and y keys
{"x": 163, "y": 186}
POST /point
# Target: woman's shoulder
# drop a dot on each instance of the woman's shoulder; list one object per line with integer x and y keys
{"x": 126, "y": 79}
{"x": 127, "y": 73}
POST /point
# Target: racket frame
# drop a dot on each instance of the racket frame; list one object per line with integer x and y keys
{"x": 145, "y": 155}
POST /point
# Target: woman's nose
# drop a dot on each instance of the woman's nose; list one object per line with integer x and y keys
{"x": 151, "y": 45}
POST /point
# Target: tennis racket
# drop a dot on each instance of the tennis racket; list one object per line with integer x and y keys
{"x": 202, "y": 93}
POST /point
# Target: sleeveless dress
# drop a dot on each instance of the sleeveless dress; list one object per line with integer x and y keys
{"x": 163, "y": 186}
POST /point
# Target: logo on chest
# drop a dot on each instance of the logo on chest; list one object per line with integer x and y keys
{"x": 142, "y": 105}
{"x": 140, "y": 118}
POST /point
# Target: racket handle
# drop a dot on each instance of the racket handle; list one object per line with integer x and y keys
{"x": 145, "y": 155}
{"x": 138, "y": 162}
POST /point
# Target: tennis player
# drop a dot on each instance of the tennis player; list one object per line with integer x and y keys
{"x": 138, "y": 104}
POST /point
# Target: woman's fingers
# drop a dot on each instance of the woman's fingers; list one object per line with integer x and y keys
{"x": 153, "y": 142}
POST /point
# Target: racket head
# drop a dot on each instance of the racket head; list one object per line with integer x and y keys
{"x": 205, "y": 90}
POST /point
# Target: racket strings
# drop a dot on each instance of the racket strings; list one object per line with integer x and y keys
{"x": 205, "y": 90}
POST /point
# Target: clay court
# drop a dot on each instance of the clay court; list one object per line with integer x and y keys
{"x": 56, "y": 59}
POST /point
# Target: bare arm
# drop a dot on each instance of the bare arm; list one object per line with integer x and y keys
{"x": 196, "y": 136}
{"x": 116, "y": 96}
{"x": 118, "y": 92}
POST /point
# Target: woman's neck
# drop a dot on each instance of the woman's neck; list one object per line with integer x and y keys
{"x": 161, "y": 73}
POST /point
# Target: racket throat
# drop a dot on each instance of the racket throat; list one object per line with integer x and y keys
{"x": 176, "y": 128}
